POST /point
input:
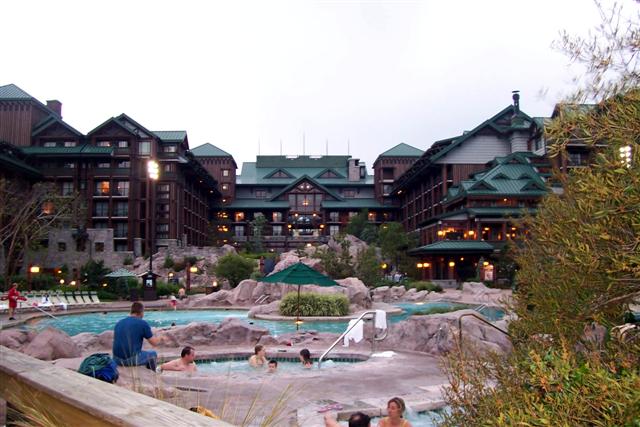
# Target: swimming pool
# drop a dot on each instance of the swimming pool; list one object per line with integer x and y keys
{"x": 100, "y": 322}
{"x": 222, "y": 366}
{"x": 418, "y": 419}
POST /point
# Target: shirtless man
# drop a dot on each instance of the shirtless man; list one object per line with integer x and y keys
{"x": 185, "y": 363}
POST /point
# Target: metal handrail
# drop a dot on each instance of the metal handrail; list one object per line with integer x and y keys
{"x": 480, "y": 318}
{"x": 360, "y": 318}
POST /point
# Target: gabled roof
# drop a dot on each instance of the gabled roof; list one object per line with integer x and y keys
{"x": 312, "y": 181}
{"x": 171, "y": 135}
{"x": 12, "y": 158}
{"x": 301, "y": 161}
{"x": 12, "y": 92}
{"x": 48, "y": 121}
{"x": 79, "y": 150}
{"x": 271, "y": 174}
{"x": 209, "y": 150}
{"x": 402, "y": 150}
{"x": 128, "y": 124}
{"x": 322, "y": 172}
{"x": 455, "y": 246}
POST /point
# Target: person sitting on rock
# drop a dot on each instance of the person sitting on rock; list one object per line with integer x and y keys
{"x": 128, "y": 335}
{"x": 182, "y": 294}
{"x": 357, "y": 419}
{"x": 259, "y": 358}
{"x": 305, "y": 358}
{"x": 184, "y": 364}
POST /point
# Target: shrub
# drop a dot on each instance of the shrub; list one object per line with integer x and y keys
{"x": 179, "y": 266}
{"x": 168, "y": 262}
{"x": 165, "y": 289}
{"x": 234, "y": 268}
{"x": 256, "y": 275}
{"x": 190, "y": 260}
{"x": 424, "y": 286}
{"x": 127, "y": 261}
{"x": 107, "y": 296}
{"x": 314, "y": 304}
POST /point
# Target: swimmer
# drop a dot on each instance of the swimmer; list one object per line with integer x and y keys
{"x": 272, "y": 367}
{"x": 259, "y": 358}
{"x": 395, "y": 410}
{"x": 305, "y": 358}
{"x": 185, "y": 363}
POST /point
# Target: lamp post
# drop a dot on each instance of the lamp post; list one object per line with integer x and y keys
{"x": 33, "y": 269}
{"x": 149, "y": 290}
{"x": 190, "y": 269}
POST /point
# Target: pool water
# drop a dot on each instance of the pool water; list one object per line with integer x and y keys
{"x": 418, "y": 419}
{"x": 491, "y": 313}
{"x": 100, "y": 322}
{"x": 289, "y": 366}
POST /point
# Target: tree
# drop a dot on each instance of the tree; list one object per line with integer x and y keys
{"x": 257, "y": 225}
{"x": 337, "y": 264}
{"x": 357, "y": 224}
{"x": 234, "y": 268}
{"x": 368, "y": 266}
{"x": 28, "y": 214}
{"x": 579, "y": 263}
{"x": 92, "y": 274}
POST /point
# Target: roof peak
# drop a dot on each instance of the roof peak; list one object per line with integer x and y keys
{"x": 209, "y": 150}
{"x": 402, "y": 150}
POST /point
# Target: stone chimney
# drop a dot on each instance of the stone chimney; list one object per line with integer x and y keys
{"x": 55, "y": 106}
{"x": 353, "y": 170}
{"x": 516, "y": 101}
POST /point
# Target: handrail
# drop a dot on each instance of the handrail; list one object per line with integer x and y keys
{"x": 480, "y": 308}
{"x": 480, "y": 318}
{"x": 360, "y": 318}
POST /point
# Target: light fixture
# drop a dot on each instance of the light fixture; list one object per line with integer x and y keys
{"x": 34, "y": 269}
{"x": 426, "y": 265}
{"x": 104, "y": 285}
{"x": 471, "y": 233}
{"x": 452, "y": 264}
{"x": 485, "y": 263}
{"x": 461, "y": 258}
{"x": 215, "y": 284}
{"x": 383, "y": 266}
{"x": 62, "y": 281}
{"x": 419, "y": 265}
{"x": 153, "y": 169}
{"x": 72, "y": 283}
{"x": 193, "y": 269}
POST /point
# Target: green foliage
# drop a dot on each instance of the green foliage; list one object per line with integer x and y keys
{"x": 257, "y": 227}
{"x": 168, "y": 262}
{"x": 423, "y": 286}
{"x": 234, "y": 268}
{"x": 368, "y": 267}
{"x": 357, "y": 224}
{"x": 336, "y": 265}
{"x": 314, "y": 304}
{"x": 105, "y": 295}
{"x": 127, "y": 261}
{"x": 392, "y": 239}
{"x": 92, "y": 274}
{"x": 256, "y": 275}
{"x": 190, "y": 260}
{"x": 165, "y": 289}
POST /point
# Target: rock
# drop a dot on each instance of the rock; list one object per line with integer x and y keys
{"x": 396, "y": 292}
{"x": 413, "y": 295}
{"x": 216, "y": 299}
{"x": 242, "y": 294}
{"x": 92, "y": 343}
{"x": 194, "y": 334}
{"x": 356, "y": 291}
{"x": 477, "y": 289}
{"x": 437, "y": 334}
{"x": 381, "y": 294}
{"x": 355, "y": 245}
{"x": 287, "y": 259}
{"x": 238, "y": 332}
{"x": 52, "y": 344}
{"x": 14, "y": 338}
{"x": 271, "y": 308}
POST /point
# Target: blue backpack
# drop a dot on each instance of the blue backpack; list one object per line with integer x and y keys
{"x": 100, "y": 366}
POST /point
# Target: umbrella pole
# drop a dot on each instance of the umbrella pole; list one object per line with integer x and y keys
{"x": 298, "y": 316}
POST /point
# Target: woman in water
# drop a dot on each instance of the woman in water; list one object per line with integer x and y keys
{"x": 259, "y": 358}
{"x": 305, "y": 358}
{"x": 395, "y": 409}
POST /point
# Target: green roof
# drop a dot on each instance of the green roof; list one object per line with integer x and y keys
{"x": 79, "y": 150}
{"x": 45, "y": 123}
{"x": 352, "y": 204}
{"x": 171, "y": 135}
{"x": 311, "y": 180}
{"x": 454, "y": 246}
{"x": 209, "y": 150}
{"x": 287, "y": 162}
{"x": 402, "y": 150}
{"x": 18, "y": 165}
{"x": 253, "y": 175}
{"x": 12, "y": 92}
{"x": 257, "y": 204}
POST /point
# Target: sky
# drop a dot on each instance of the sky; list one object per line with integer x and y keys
{"x": 252, "y": 76}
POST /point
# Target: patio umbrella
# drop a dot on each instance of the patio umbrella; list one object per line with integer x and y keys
{"x": 299, "y": 274}
{"x": 121, "y": 274}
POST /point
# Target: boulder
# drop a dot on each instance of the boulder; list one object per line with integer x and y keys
{"x": 437, "y": 334}
{"x": 271, "y": 308}
{"x": 234, "y": 331}
{"x": 194, "y": 334}
{"x": 242, "y": 294}
{"x": 355, "y": 290}
{"x": 215, "y": 299}
{"x": 355, "y": 245}
{"x": 381, "y": 294}
{"x": 52, "y": 344}
{"x": 92, "y": 343}
{"x": 413, "y": 295}
{"x": 396, "y": 292}
{"x": 14, "y": 338}
{"x": 287, "y": 259}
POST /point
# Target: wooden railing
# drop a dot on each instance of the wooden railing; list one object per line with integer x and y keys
{"x": 74, "y": 399}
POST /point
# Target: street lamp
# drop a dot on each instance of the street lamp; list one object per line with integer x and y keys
{"x": 190, "y": 269}
{"x": 33, "y": 269}
{"x": 153, "y": 172}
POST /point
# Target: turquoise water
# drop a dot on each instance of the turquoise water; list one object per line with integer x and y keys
{"x": 289, "y": 366}
{"x": 491, "y": 313}
{"x": 100, "y": 322}
{"x": 418, "y": 419}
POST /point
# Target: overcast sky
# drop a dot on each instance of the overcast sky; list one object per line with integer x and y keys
{"x": 232, "y": 73}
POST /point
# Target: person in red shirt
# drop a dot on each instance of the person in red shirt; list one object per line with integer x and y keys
{"x": 13, "y": 296}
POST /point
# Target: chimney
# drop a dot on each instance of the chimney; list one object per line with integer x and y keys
{"x": 516, "y": 101}
{"x": 353, "y": 170}
{"x": 55, "y": 106}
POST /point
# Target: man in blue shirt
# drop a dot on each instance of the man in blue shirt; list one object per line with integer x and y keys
{"x": 127, "y": 340}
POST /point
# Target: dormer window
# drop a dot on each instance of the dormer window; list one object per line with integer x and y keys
{"x": 49, "y": 144}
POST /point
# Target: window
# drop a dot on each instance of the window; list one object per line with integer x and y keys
{"x": 144, "y": 147}
{"x": 67, "y": 188}
{"x": 103, "y": 143}
{"x": 69, "y": 165}
{"x": 277, "y": 216}
{"x": 62, "y": 246}
{"x": 386, "y": 189}
{"x": 162, "y": 227}
{"x": 349, "y": 193}
{"x": 123, "y": 144}
{"x": 352, "y": 214}
{"x": 261, "y": 194}
{"x": 120, "y": 247}
{"x": 163, "y": 188}
{"x": 124, "y": 164}
{"x": 69, "y": 143}
{"x": 163, "y": 207}
{"x": 277, "y": 230}
{"x": 103, "y": 165}
{"x": 102, "y": 188}
{"x": 163, "y": 195}
{"x": 101, "y": 209}
{"x": 225, "y": 172}
{"x": 387, "y": 173}
{"x": 238, "y": 231}
{"x": 169, "y": 167}
{"x": 334, "y": 216}
{"x": 120, "y": 229}
{"x": 100, "y": 225}
{"x": 225, "y": 187}
{"x": 47, "y": 208}
{"x": 280, "y": 174}
{"x": 329, "y": 174}
{"x": 239, "y": 216}
{"x": 170, "y": 149}
{"x": 50, "y": 144}
{"x": 121, "y": 209}
{"x": 334, "y": 229}
{"x": 122, "y": 188}
{"x": 99, "y": 246}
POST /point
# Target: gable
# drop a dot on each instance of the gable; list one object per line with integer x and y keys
{"x": 482, "y": 186}
{"x": 478, "y": 149}
{"x": 329, "y": 174}
{"x": 278, "y": 174}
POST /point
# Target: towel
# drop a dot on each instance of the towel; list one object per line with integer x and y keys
{"x": 356, "y": 333}
{"x": 381, "y": 319}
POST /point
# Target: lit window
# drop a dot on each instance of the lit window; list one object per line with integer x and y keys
{"x": 225, "y": 187}
{"x": 103, "y": 143}
{"x": 123, "y": 144}
{"x": 170, "y": 149}
{"x": 277, "y": 217}
{"x": 239, "y": 216}
{"x": 225, "y": 172}
{"x": 102, "y": 188}
{"x": 47, "y": 208}
{"x": 49, "y": 144}
{"x": 69, "y": 143}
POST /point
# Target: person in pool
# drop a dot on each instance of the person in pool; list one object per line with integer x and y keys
{"x": 259, "y": 358}
{"x": 395, "y": 410}
{"x": 305, "y": 358}
{"x": 272, "y": 368}
{"x": 357, "y": 419}
{"x": 185, "y": 363}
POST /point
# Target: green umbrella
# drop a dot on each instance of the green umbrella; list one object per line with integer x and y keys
{"x": 299, "y": 274}
{"x": 119, "y": 273}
